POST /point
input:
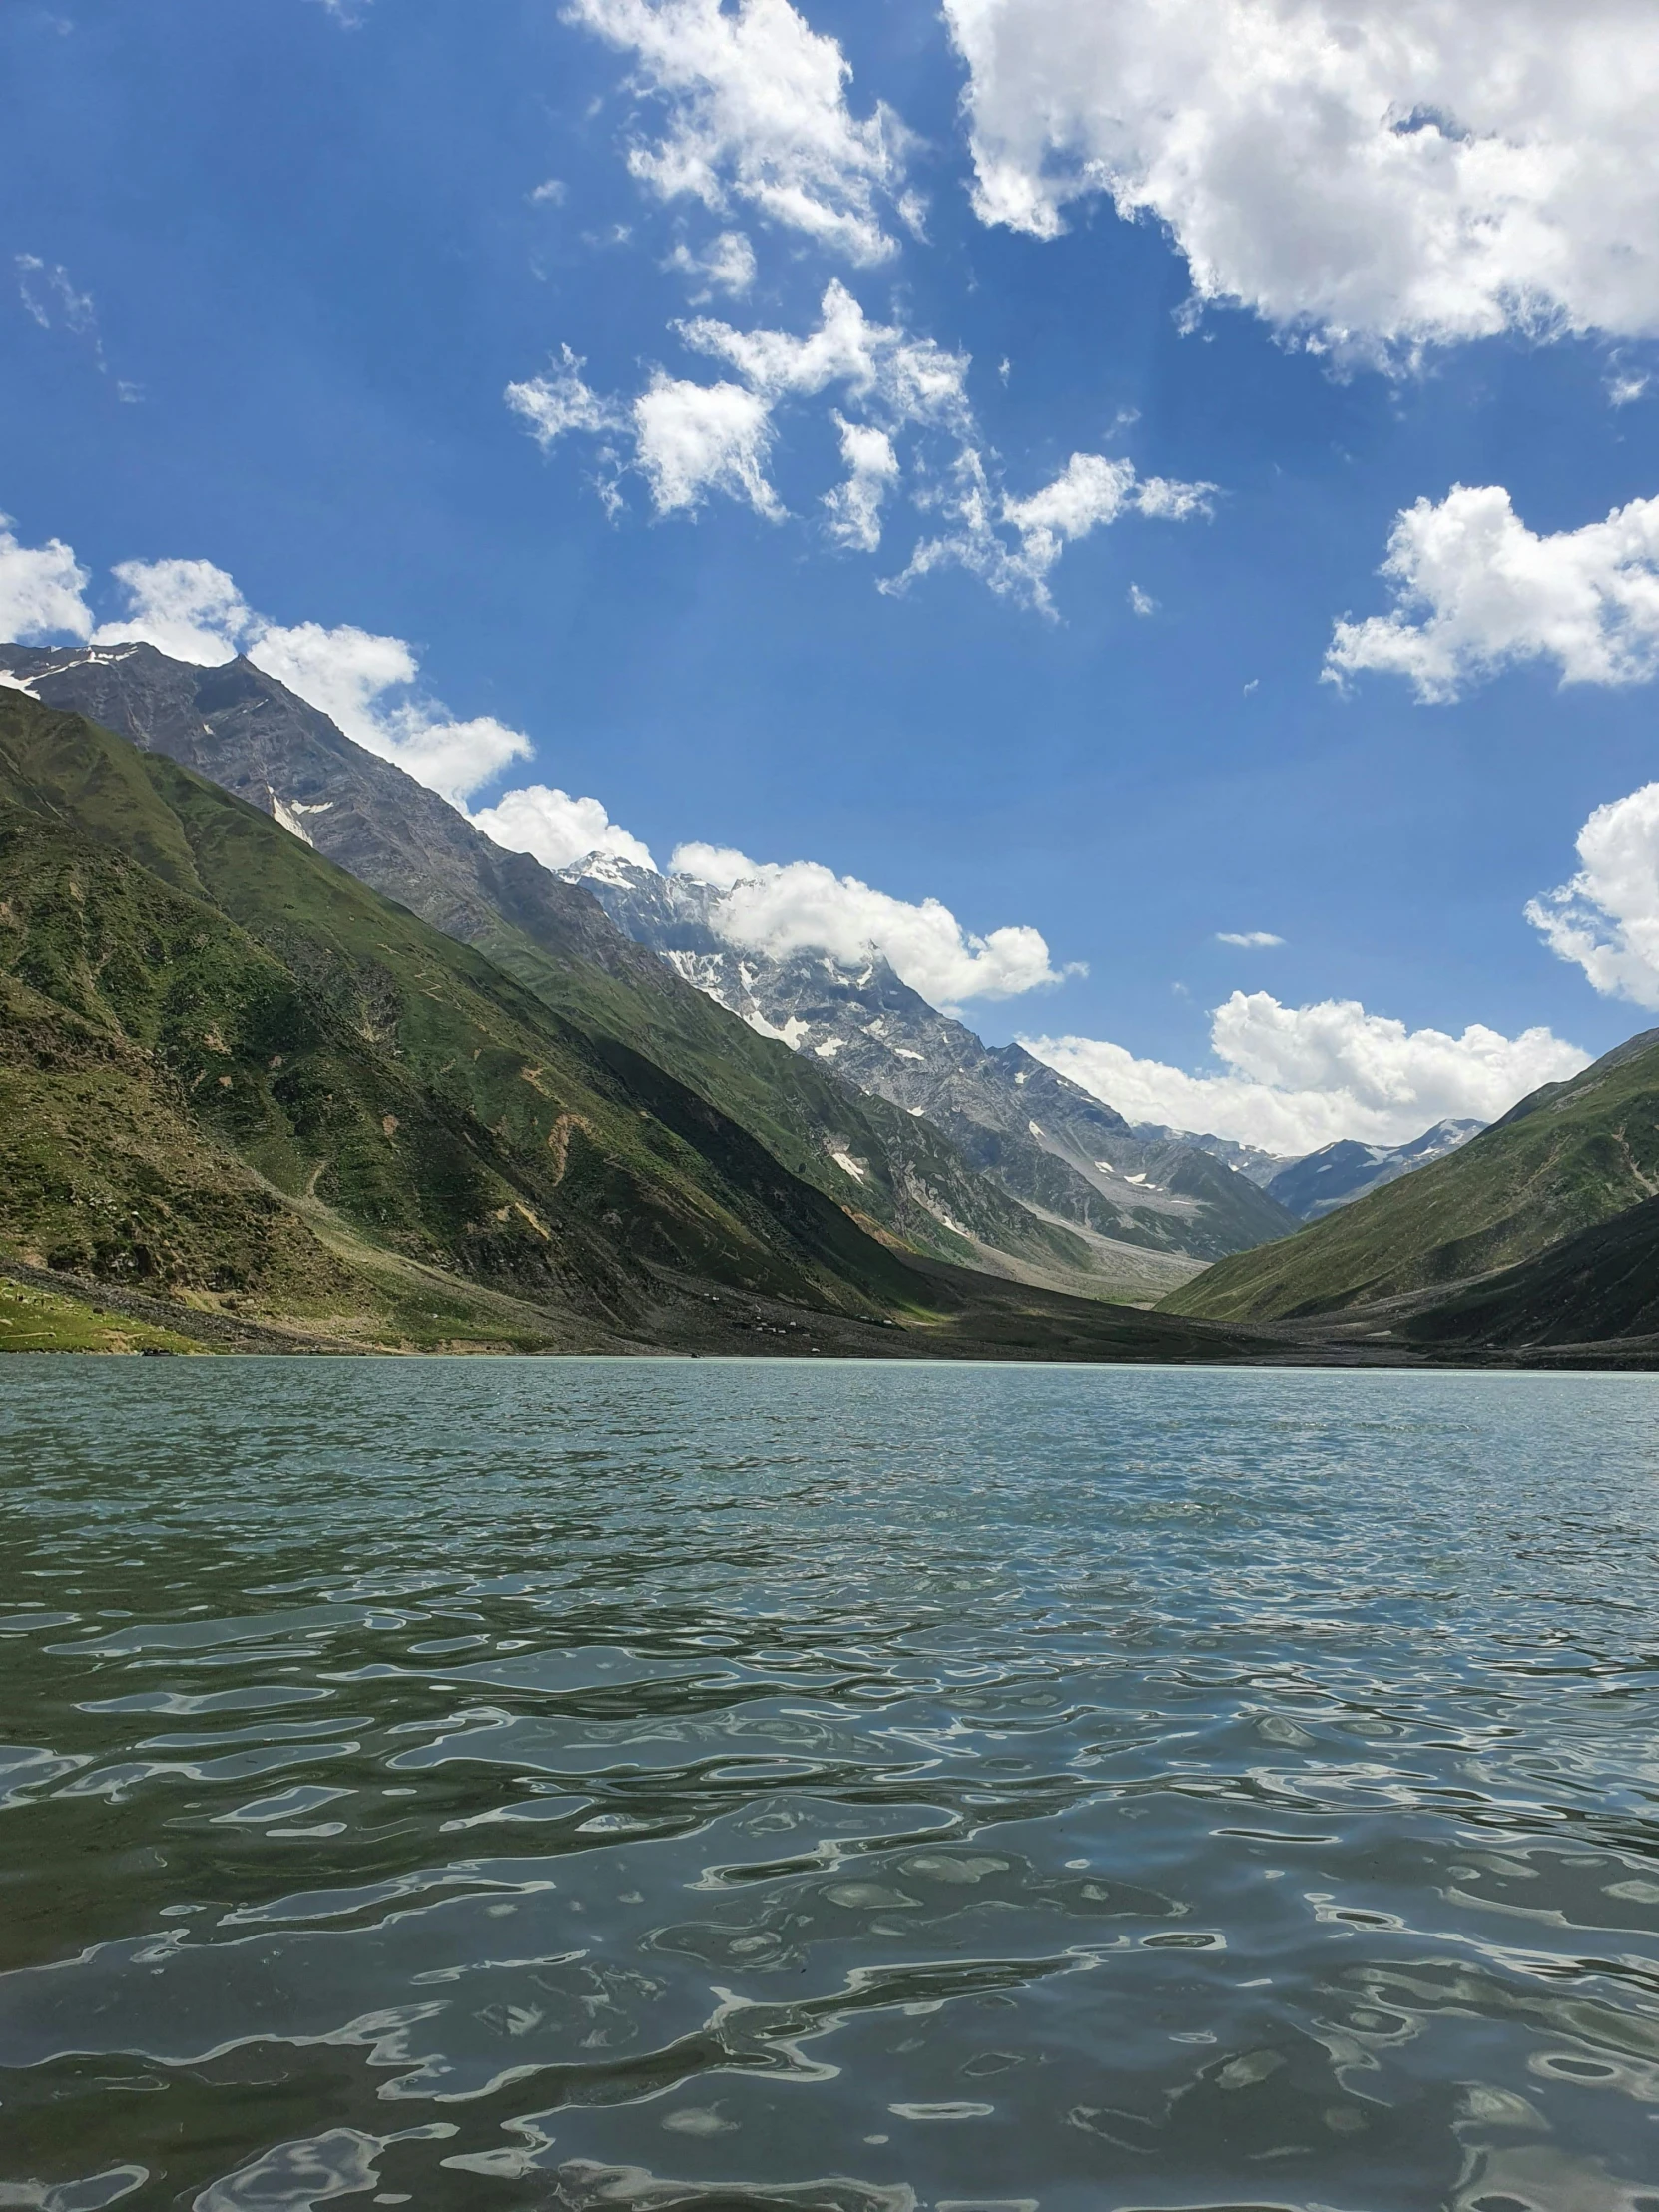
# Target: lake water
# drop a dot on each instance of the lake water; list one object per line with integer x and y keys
{"x": 508, "y": 1783}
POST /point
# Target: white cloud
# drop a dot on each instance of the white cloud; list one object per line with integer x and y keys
{"x": 872, "y": 470}
{"x": 691, "y": 440}
{"x": 1477, "y": 591}
{"x": 551, "y": 194}
{"x": 1297, "y": 1078}
{"x": 41, "y": 589}
{"x": 557, "y": 829}
{"x": 1141, "y": 602}
{"x": 194, "y": 611}
{"x": 1607, "y": 918}
{"x": 906, "y": 380}
{"x": 804, "y": 906}
{"x": 727, "y": 263}
{"x": 560, "y": 402}
{"x": 49, "y": 297}
{"x": 189, "y": 609}
{"x": 1376, "y": 173}
{"x": 758, "y": 113}
{"x": 1250, "y": 940}
{"x": 1089, "y": 493}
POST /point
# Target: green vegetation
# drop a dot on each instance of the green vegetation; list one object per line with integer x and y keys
{"x": 40, "y": 1320}
{"x": 1570, "y": 1156}
{"x": 206, "y": 1029}
{"x": 1597, "y": 1288}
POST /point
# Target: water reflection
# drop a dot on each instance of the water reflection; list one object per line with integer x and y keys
{"x": 658, "y": 1785}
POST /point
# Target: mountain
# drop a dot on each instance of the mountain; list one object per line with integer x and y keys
{"x": 1248, "y": 1159}
{"x": 891, "y": 1170}
{"x": 1047, "y": 1142}
{"x": 1568, "y": 1157}
{"x": 1599, "y": 1288}
{"x": 244, "y": 1097}
{"x": 1338, "y": 1174}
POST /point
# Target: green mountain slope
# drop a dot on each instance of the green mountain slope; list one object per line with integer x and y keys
{"x": 1595, "y": 1288}
{"x": 205, "y": 1027}
{"x": 1568, "y": 1157}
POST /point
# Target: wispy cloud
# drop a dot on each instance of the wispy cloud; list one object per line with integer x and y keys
{"x": 50, "y": 299}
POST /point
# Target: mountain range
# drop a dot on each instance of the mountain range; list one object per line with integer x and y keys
{"x": 243, "y": 1097}
{"x": 291, "y": 1052}
{"x": 1047, "y": 1142}
{"x": 1340, "y": 1173}
{"x": 962, "y": 1181}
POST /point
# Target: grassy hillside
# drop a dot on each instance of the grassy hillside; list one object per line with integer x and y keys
{"x": 1597, "y": 1286}
{"x": 43, "y": 1321}
{"x": 1570, "y": 1156}
{"x": 205, "y": 1027}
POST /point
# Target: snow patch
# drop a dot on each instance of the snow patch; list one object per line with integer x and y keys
{"x": 288, "y": 816}
{"x": 828, "y": 1049}
{"x": 939, "y": 1215}
{"x": 1035, "y": 1128}
{"x": 792, "y": 1033}
{"x": 853, "y": 1167}
{"x": 16, "y": 683}
{"x": 903, "y": 1052}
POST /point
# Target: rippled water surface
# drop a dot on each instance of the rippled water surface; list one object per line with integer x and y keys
{"x": 506, "y": 1783}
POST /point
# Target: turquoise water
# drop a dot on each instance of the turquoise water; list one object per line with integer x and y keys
{"x": 508, "y": 1783}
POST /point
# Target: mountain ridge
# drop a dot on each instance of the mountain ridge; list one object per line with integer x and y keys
{"x": 246, "y": 732}
{"x": 1049, "y": 1143}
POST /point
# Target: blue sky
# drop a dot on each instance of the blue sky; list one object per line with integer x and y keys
{"x": 274, "y": 267}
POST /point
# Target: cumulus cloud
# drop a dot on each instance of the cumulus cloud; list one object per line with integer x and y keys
{"x": 194, "y": 611}
{"x": 41, "y": 589}
{"x": 693, "y": 439}
{"x": 756, "y": 115}
{"x": 1476, "y": 592}
{"x": 1606, "y": 918}
{"x": 802, "y": 906}
{"x": 1373, "y": 174}
{"x": 557, "y": 829}
{"x": 1295, "y": 1078}
{"x": 726, "y": 264}
{"x": 189, "y": 609}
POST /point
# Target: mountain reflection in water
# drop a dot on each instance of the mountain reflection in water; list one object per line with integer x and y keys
{"x": 490, "y": 1783}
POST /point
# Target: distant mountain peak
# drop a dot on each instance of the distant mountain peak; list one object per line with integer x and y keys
{"x": 1052, "y": 1145}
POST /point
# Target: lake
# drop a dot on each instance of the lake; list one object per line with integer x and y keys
{"x": 579, "y": 1783}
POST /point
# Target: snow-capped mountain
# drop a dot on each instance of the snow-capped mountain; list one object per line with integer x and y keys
{"x": 1048, "y": 1142}
{"x": 1338, "y": 1174}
